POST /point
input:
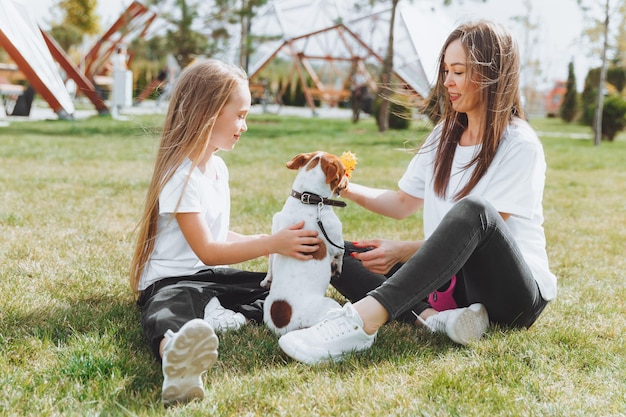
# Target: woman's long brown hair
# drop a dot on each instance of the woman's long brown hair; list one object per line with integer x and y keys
{"x": 493, "y": 63}
{"x": 197, "y": 99}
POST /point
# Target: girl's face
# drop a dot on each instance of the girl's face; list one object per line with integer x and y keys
{"x": 231, "y": 122}
{"x": 462, "y": 91}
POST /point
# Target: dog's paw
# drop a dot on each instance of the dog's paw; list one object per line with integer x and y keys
{"x": 335, "y": 269}
{"x": 336, "y": 265}
{"x": 266, "y": 283}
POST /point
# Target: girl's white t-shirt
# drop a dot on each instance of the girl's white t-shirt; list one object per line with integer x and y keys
{"x": 172, "y": 256}
{"x": 513, "y": 183}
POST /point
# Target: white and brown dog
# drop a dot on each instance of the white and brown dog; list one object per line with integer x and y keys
{"x": 297, "y": 294}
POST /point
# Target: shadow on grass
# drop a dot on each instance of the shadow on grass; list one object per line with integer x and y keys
{"x": 256, "y": 347}
{"x": 93, "y": 352}
{"x": 94, "y": 343}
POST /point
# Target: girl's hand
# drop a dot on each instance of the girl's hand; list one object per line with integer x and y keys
{"x": 385, "y": 253}
{"x": 296, "y": 242}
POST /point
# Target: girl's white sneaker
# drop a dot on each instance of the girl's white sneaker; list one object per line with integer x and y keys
{"x": 222, "y": 319}
{"x": 186, "y": 356}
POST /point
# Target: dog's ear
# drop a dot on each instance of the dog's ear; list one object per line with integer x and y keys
{"x": 334, "y": 169}
{"x": 300, "y": 160}
{"x": 343, "y": 184}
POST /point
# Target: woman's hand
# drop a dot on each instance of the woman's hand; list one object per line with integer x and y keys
{"x": 296, "y": 242}
{"x": 386, "y": 253}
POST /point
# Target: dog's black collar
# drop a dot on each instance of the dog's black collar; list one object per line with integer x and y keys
{"x": 310, "y": 198}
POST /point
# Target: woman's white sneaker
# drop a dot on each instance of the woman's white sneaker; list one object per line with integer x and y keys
{"x": 462, "y": 325}
{"x": 186, "y": 356}
{"x": 340, "y": 332}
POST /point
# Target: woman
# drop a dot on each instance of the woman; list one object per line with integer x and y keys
{"x": 479, "y": 178}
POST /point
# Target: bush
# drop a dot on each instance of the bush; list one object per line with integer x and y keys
{"x": 613, "y": 117}
{"x": 144, "y": 72}
{"x": 569, "y": 106}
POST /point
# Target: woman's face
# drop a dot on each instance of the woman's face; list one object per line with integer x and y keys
{"x": 231, "y": 122}
{"x": 462, "y": 91}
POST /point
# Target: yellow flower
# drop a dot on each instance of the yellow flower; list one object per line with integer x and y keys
{"x": 349, "y": 161}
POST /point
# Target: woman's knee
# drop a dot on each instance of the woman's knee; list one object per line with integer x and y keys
{"x": 472, "y": 207}
{"x": 468, "y": 208}
{"x": 475, "y": 204}
{"x": 470, "y": 213}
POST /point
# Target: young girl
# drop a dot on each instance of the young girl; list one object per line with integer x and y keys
{"x": 479, "y": 178}
{"x": 184, "y": 290}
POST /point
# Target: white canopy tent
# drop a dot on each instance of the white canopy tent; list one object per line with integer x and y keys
{"x": 21, "y": 37}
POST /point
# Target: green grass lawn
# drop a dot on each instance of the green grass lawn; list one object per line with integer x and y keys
{"x": 70, "y": 340}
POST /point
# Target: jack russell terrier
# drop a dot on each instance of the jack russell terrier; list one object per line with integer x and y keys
{"x": 297, "y": 293}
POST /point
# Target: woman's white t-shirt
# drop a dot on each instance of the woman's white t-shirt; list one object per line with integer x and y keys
{"x": 172, "y": 256}
{"x": 513, "y": 183}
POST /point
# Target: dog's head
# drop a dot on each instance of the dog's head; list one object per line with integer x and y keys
{"x": 330, "y": 164}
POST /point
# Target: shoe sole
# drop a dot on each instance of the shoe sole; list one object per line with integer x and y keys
{"x": 193, "y": 351}
{"x": 470, "y": 325}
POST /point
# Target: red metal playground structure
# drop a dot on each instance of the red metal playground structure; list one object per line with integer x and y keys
{"x": 34, "y": 51}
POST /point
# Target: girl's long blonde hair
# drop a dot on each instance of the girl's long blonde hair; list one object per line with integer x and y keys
{"x": 200, "y": 93}
{"x": 493, "y": 63}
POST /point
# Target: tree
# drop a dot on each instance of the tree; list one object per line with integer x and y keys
{"x": 569, "y": 107}
{"x": 613, "y": 117}
{"x": 386, "y": 74}
{"x": 79, "y": 19}
{"x": 531, "y": 66}
{"x": 183, "y": 40}
{"x": 242, "y": 13}
{"x": 81, "y": 14}
{"x": 246, "y": 14}
{"x": 600, "y": 31}
{"x": 620, "y": 38}
{"x": 597, "y": 125}
{"x": 204, "y": 28}
{"x": 66, "y": 36}
{"x": 186, "y": 42}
